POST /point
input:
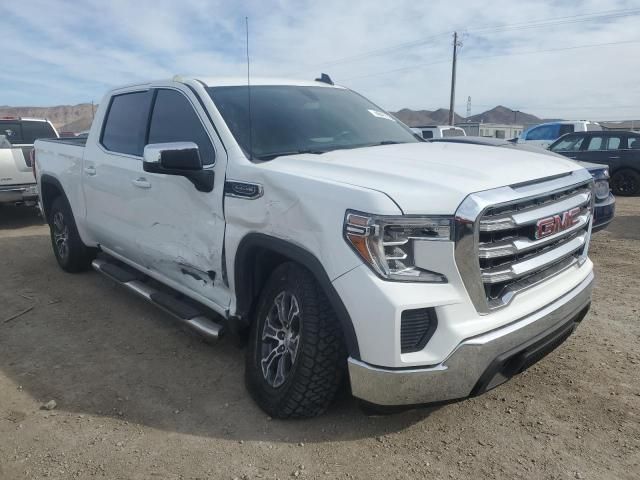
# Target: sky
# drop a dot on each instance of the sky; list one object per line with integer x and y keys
{"x": 555, "y": 59}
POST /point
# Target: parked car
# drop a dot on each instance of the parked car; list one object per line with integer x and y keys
{"x": 438, "y": 131}
{"x": 620, "y": 151}
{"x": 604, "y": 204}
{"x": 545, "y": 133}
{"x": 319, "y": 228}
{"x": 17, "y": 183}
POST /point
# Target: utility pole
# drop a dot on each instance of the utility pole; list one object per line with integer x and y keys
{"x": 468, "y": 107}
{"x": 456, "y": 44}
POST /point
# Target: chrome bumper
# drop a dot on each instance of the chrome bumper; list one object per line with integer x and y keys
{"x": 478, "y": 363}
{"x": 18, "y": 193}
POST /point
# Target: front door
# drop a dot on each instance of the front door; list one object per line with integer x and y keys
{"x": 181, "y": 230}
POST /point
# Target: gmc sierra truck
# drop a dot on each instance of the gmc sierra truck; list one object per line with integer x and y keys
{"x": 307, "y": 220}
{"x": 17, "y": 184}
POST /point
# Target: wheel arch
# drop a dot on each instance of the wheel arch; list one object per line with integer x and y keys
{"x": 50, "y": 189}
{"x": 256, "y": 257}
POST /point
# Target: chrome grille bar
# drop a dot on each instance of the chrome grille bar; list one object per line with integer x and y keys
{"x": 497, "y": 250}
{"x": 533, "y": 264}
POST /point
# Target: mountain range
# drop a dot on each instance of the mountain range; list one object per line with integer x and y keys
{"x": 77, "y": 118}
{"x": 499, "y": 114}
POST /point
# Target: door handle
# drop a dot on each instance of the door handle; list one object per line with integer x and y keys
{"x": 90, "y": 170}
{"x": 141, "y": 183}
{"x": 613, "y": 158}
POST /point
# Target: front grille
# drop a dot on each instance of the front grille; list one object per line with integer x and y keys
{"x": 502, "y": 248}
{"x": 416, "y": 328}
{"x": 511, "y": 258}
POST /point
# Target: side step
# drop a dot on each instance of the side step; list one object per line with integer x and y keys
{"x": 190, "y": 315}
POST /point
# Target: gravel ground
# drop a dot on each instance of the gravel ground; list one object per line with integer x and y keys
{"x": 137, "y": 397}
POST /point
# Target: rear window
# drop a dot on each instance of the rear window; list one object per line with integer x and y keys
{"x": 427, "y": 134}
{"x": 452, "y": 132}
{"x": 125, "y": 125}
{"x": 25, "y": 132}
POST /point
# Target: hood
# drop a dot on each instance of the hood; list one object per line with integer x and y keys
{"x": 426, "y": 178}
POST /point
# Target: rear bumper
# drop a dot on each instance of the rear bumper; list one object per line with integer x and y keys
{"x": 478, "y": 363}
{"x": 603, "y": 213}
{"x": 18, "y": 193}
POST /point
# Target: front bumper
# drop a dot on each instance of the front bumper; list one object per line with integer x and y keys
{"x": 18, "y": 193}
{"x": 603, "y": 213}
{"x": 478, "y": 363}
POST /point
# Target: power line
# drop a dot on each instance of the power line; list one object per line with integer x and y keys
{"x": 529, "y": 52}
{"x": 552, "y": 21}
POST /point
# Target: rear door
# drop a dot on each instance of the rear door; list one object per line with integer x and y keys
{"x": 630, "y": 154}
{"x": 110, "y": 165}
{"x": 603, "y": 149}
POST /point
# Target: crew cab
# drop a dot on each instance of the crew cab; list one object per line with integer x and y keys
{"x": 17, "y": 183}
{"x": 617, "y": 150}
{"x": 546, "y": 133}
{"x": 307, "y": 220}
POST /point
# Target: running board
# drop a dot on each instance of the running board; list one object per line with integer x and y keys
{"x": 188, "y": 314}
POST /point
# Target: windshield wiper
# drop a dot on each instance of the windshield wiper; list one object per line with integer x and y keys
{"x": 271, "y": 156}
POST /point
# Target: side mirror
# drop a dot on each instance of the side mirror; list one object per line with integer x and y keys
{"x": 178, "y": 158}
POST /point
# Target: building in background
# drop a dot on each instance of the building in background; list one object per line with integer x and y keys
{"x": 625, "y": 125}
{"x": 495, "y": 130}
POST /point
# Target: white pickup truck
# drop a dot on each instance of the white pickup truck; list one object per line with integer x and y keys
{"x": 307, "y": 220}
{"x": 17, "y": 184}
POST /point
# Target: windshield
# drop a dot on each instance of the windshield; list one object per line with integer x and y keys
{"x": 295, "y": 119}
{"x": 25, "y": 132}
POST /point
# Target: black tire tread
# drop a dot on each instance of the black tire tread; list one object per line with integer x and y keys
{"x": 629, "y": 172}
{"x": 321, "y": 359}
{"x": 80, "y": 256}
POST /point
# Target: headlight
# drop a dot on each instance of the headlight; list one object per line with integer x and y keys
{"x": 602, "y": 189}
{"x": 386, "y": 244}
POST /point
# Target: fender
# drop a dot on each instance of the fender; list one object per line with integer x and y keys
{"x": 244, "y": 281}
{"x": 46, "y": 179}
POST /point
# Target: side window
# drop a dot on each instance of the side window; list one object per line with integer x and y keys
{"x": 427, "y": 134}
{"x": 613, "y": 143}
{"x": 543, "y": 132}
{"x": 126, "y": 122}
{"x": 570, "y": 143}
{"x": 174, "y": 120}
{"x": 633, "y": 142}
{"x": 564, "y": 129}
{"x": 595, "y": 143}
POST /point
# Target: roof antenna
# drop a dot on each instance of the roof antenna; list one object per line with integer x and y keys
{"x": 324, "y": 78}
{"x": 246, "y": 25}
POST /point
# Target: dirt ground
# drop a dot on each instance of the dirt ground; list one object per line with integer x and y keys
{"x": 139, "y": 398}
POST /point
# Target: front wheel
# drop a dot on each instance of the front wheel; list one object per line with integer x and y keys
{"x": 72, "y": 255}
{"x": 296, "y": 356}
{"x": 625, "y": 182}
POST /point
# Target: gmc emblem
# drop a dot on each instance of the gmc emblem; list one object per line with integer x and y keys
{"x": 557, "y": 223}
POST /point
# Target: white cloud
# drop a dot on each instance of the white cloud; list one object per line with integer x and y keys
{"x": 64, "y": 52}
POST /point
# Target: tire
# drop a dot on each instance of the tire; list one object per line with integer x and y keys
{"x": 625, "y": 182}
{"x": 304, "y": 374}
{"x": 72, "y": 255}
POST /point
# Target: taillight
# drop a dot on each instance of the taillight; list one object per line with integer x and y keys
{"x": 32, "y": 159}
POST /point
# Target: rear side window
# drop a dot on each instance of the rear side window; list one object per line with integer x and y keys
{"x": 613, "y": 143}
{"x": 633, "y": 142}
{"x": 125, "y": 125}
{"x": 174, "y": 120}
{"x": 596, "y": 143}
{"x": 564, "y": 129}
{"x": 427, "y": 134}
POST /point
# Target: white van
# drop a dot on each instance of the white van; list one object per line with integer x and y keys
{"x": 438, "y": 131}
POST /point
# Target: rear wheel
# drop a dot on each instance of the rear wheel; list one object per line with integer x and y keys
{"x": 72, "y": 255}
{"x": 625, "y": 182}
{"x": 296, "y": 356}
